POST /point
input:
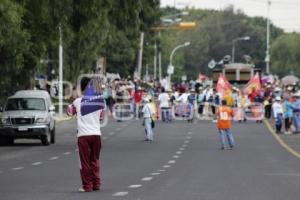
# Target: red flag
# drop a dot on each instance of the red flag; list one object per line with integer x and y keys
{"x": 254, "y": 82}
{"x": 223, "y": 86}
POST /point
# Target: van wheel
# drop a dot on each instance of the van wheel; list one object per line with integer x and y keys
{"x": 5, "y": 141}
{"x": 45, "y": 139}
{"x": 52, "y": 138}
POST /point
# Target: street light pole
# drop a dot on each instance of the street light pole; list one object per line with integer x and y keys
{"x": 171, "y": 67}
{"x": 268, "y": 41}
{"x": 233, "y": 45}
{"x": 60, "y": 85}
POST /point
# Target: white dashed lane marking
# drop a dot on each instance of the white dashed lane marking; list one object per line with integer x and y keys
{"x": 67, "y": 153}
{"x": 186, "y": 141}
{"x": 147, "y": 179}
{"x": 178, "y": 152}
{"x": 53, "y": 158}
{"x": 166, "y": 166}
{"x": 189, "y": 137}
{"x": 37, "y": 163}
{"x": 120, "y": 194}
{"x": 190, "y": 133}
{"x": 134, "y": 186}
{"x": 184, "y": 145}
{"x": 176, "y": 156}
{"x": 111, "y": 133}
{"x": 118, "y": 129}
{"x": 172, "y": 161}
{"x": 181, "y": 149}
{"x": 17, "y": 168}
{"x": 161, "y": 170}
{"x": 155, "y": 174}
{"x": 104, "y": 138}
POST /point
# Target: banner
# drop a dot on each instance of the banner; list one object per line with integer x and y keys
{"x": 223, "y": 86}
{"x": 254, "y": 82}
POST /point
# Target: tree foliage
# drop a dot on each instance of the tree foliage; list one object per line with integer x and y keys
{"x": 285, "y": 55}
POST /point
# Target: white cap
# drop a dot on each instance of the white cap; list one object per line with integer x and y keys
{"x": 146, "y": 99}
{"x": 277, "y": 89}
{"x": 278, "y": 98}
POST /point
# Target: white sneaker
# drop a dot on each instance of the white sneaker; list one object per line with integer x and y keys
{"x": 81, "y": 190}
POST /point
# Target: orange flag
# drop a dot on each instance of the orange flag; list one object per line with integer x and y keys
{"x": 223, "y": 86}
{"x": 254, "y": 82}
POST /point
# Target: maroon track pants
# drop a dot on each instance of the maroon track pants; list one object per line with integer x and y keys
{"x": 89, "y": 152}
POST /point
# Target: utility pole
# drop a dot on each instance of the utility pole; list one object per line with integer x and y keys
{"x": 155, "y": 61}
{"x": 267, "y": 59}
{"x": 140, "y": 59}
{"x": 60, "y": 85}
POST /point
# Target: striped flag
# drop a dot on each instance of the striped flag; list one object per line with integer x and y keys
{"x": 92, "y": 100}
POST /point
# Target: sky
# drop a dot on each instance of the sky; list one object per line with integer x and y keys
{"x": 283, "y": 13}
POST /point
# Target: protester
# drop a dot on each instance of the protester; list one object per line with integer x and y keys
{"x": 164, "y": 104}
{"x": 288, "y": 115}
{"x": 225, "y": 114}
{"x": 148, "y": 115}
{"x": 278, "y": 113}
{"x": 296, "y": 112}
{"x": 88, "y": 109}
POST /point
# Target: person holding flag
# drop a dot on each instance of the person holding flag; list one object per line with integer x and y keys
{"x": 88, "y": 109}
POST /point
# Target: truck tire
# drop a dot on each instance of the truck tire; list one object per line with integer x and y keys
{"x": 45, "y": 139}
{"x": 52, "y": 137}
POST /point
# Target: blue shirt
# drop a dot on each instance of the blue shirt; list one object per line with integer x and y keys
{"x": 288, "y": 108}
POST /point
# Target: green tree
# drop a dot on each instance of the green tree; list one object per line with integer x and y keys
{"x": 14, "y": 46}
{"x": 285, "y": 55}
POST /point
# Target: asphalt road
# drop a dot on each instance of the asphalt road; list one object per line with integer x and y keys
{"x": 183, "y": 163}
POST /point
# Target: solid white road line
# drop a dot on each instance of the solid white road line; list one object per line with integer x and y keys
{"x": 53, "y": 158}
{"x": 37, "y": 163}
{"x": 147, "y": 178}
{"x": 120, "y": 194}
{"x": 134, "y": 186}
{"x": 17, "y": 168}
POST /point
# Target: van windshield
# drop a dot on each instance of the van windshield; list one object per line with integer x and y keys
{"x": 25, "y": 104}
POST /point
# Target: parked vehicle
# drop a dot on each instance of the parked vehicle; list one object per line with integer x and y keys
{"x": 28, "y": 114}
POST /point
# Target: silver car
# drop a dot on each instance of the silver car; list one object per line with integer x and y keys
{"x": 28, "y": 114}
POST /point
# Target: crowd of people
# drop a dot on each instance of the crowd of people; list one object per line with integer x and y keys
{"x": 195, "y": 100}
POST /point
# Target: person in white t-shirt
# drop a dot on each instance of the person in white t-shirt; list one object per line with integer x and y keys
{"x": 88, "y": 108}
{"x": 164, "y": 104}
